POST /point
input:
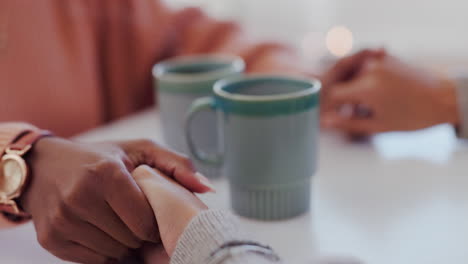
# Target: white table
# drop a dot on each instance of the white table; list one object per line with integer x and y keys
{"x": 400, "y": 199}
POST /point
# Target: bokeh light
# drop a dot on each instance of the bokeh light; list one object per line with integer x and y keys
{"x": 339, "y": 41}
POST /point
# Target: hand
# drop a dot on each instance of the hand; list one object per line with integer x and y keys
{"x": 348, "y": 68}
{"x": 390, "y": 95}
{"x": 86, "y": 207}
{"x": 173, "y": 205}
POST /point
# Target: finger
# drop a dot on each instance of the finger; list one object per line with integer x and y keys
{"x": 143, "y": 173}
{"x": 98, "y": 241}
{"x": 104, "y": 218}
{"x": 347, "y": 67}
{"x": 127, "y": 200}
{"x": 353, "y": 92}
{"x": 348, "y": 124}
{"x": 171, "y": 164}
{"x": 173, "y": 205}
{"x": 181, "y": 169}
{"x": 80, "y": 254}
{"x": 151, "y": 181}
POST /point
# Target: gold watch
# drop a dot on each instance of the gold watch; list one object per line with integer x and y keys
{"x": 14, "y": 172}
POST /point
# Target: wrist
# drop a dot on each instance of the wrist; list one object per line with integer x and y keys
{"x": 185, "y": 215}
{"x": 38, "y": 149}
{"x": 16, "y": 172}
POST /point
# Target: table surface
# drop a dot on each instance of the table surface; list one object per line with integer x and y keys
{"x": 399, "y": 198}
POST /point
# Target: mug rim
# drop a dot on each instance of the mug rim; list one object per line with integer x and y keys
{"x": 235, "y": 64}
{"x": 315, "y": 87}
{"x": 267, "y": 105}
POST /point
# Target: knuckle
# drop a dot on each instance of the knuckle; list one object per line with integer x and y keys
{"x": 74, "y": 201}
{"x": 185, "y": 161}
{"x": 72, "y": 198}
{"x": 141, "y": 144}
{"x": 145, "y": 142}
{"x": 99, "y": 171}
{"x": 105, "y": 166}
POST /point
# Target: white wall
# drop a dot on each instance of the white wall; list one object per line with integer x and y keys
{"x": 413, "y": 28}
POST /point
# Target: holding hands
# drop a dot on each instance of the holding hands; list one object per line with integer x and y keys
{"x": 85, "y": 204}
{"x": 94, "y": 203}
{"x": 372, "y": 92}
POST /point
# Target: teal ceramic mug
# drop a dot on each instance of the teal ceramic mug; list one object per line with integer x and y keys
{"x": 179, "y": 82}
{"x": 268, "y": 128}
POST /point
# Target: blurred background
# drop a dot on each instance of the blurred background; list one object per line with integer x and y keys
{"x": 426, "y": 31}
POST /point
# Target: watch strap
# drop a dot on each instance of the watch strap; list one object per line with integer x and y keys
{"x": 10, "y": 131}
{"x": 17, "y": 218}
{"x": 12, "y": 212}
{"x": 25, "y": 141}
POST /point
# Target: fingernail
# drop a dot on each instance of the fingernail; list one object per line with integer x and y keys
{"x": 203, "y": 180}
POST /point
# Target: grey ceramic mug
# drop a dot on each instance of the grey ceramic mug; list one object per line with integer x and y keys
{"x": 179, "y": 82}
{"x": 268, "y": 127}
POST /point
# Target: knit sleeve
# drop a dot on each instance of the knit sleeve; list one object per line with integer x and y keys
{"x": 206, "y": 235}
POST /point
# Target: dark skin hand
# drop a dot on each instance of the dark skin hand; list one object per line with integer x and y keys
{"x": 86, "y": 206}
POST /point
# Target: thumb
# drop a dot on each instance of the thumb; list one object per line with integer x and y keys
{"x": 174, "y": 206}
{"x": 174, "y": 165}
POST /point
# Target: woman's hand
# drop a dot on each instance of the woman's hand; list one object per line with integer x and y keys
{"x": 387, "y": 95}
{"x": 348, "y": 68}
{"x": 174, "y": 206}
{"x": 86, "y": 206}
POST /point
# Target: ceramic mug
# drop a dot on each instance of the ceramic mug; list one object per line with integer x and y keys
{"x": 179, "y": 82}
{"x": 268, "y": 128}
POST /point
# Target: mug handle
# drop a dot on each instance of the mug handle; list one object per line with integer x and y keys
{"x": 199, "y": 105}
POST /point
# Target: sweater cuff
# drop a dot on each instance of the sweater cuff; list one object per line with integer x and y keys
{"x": 461, "y": 81}
{"x": 205, "y": 233}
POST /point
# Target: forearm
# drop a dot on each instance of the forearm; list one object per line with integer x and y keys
{"x": 203, "y": 239}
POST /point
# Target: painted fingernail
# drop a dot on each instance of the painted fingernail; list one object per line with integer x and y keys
{"x": 203, "y": 180}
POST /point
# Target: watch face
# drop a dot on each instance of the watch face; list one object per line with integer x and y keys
{"x": 12, "y": 174}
